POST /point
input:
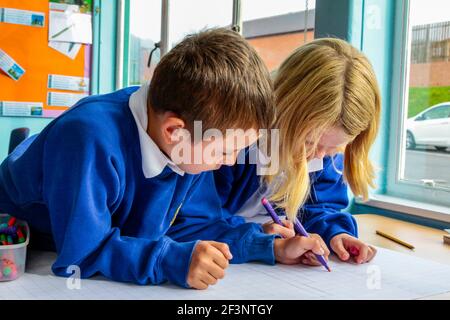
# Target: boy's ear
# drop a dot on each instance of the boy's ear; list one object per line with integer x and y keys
{"x": 169, "y": 125}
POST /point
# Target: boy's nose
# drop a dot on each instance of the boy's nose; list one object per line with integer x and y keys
{"x": 228, "y": 161}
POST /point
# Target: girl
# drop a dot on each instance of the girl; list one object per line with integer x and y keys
{"x": 328, "y": 106}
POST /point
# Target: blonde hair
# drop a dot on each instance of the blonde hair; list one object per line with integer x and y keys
{"x": 324, "y": 84}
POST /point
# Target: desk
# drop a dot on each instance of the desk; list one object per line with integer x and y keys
{"x": 428, "y": 242}
{"x": 403, "y": 276}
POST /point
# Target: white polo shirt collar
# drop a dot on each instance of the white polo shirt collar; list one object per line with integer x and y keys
{"x": 153, "y": 159}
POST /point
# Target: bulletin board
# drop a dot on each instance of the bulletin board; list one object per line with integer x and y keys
{"x": 29, "y": 46}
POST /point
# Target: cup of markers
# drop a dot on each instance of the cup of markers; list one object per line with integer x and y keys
{"x": 14, "y": 238}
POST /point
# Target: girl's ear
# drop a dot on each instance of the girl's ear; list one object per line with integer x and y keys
{"x": 170, "y": 127}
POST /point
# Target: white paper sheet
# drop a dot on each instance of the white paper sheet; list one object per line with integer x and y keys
{"x": 71, "y": 83}
{"x": 70, "y": 26}
{"x": 63, "y": 99}
{"x": 400, "y": 277}
{"x": 25, "y": 17}
{"x": 10, "y": 67}
{"x": 69, "y": 49}
{"x": 20, "y": 108}
{"x": 64, "y": 7}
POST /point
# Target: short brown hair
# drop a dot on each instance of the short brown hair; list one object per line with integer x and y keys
{"x": 216, "y": 77}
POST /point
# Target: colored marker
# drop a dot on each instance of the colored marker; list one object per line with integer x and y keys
{"x": 3, "y": 239}
{"x": 9, "y": 230}
{"x": 354, "y": 251}
{"x": 299, "y": 229}
{"x": 11, "y": 221}
{"x": 20, "y": 236}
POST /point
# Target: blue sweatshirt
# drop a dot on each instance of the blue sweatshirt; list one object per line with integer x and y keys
{"x": 322, "y": 212}
{"x": 85, "y": 182}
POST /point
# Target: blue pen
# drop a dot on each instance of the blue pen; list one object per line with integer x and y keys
{"x": 299, "y": 229}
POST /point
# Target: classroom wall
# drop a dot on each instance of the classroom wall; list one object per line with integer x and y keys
{"x": 103, "y": 54}
{"x": 9, "y": 123}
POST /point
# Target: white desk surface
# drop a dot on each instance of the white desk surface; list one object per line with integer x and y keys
{"x": 399, "y": 275}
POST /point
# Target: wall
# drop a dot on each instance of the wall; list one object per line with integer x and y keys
{"x": 435, "y": 74}
{"x": 274, "y": 49}
{"x": 103, "y": 55}
{"x": 9, "y": 123}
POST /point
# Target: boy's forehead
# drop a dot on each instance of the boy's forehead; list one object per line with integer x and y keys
{"x": 231, "y": 134}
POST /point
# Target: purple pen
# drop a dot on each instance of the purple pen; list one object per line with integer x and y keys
{"x": 299, "y": 229}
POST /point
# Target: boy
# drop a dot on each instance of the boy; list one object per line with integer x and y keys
{"x": 101, "y": 183}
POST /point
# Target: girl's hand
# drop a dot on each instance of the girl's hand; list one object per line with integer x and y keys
{"x": 309, "y": 258}
{"x": 346, "y": 246}
{"x": 292, "y": 250}
{"x": 286, "y": 231}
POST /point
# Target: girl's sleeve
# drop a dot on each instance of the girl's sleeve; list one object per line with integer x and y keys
{"x": 322, "y": 213}
{"x": 236, "y": 184}
{"x": 201, "y": 217}
{"x": 81, "y": 183}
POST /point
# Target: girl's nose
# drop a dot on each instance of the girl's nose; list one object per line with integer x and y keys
{"x": 320, "y": 154}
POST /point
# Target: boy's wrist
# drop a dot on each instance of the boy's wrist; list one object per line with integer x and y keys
{"x": 175, "y": 261}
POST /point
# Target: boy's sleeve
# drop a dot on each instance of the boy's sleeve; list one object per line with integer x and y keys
{"x": 81, "y": 185}
{"x": 202, "y": 218}
{"x": 322, "y": 213}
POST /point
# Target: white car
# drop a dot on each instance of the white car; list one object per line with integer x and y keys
{"x": 431, "y": 127}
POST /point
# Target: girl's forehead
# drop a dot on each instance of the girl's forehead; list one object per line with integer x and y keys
{"x": 335, "y": 137}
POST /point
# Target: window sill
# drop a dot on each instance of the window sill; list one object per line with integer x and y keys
{"x": 415, "y": 208}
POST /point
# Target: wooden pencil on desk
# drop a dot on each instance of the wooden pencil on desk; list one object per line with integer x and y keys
{"x": 387, "y": 236}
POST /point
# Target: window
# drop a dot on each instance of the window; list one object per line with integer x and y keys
{"x": 144, "y": 19}
{"x": 422, "y": 166}
{"x": 186, "y": 17}
{"x": 427, "y": 159}
{"x": 276, "y": 28}
{"x": 144, "y": 33}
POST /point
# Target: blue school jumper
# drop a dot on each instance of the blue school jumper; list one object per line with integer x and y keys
{"x": 322, "y": 212}
{"x": 96, "y": 184}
